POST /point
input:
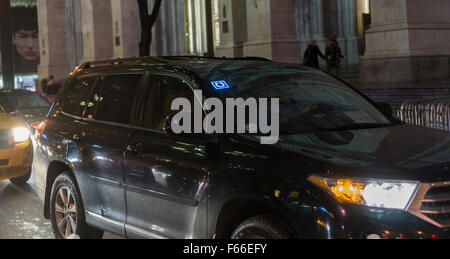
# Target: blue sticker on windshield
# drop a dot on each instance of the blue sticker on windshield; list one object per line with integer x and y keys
{"x": 220, "y": 85}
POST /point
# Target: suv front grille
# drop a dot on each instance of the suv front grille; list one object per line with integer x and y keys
{"x": 432, "y": 203}
{"x": 6, "y": 139}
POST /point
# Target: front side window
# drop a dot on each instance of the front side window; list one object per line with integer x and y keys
{"x": 77, "y": 95}
{"x": 163, "y": 91}
{"x": 113, "y": 102}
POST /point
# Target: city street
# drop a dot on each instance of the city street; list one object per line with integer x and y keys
{"x": 21, "y": 213}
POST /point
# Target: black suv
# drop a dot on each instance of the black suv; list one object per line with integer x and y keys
{"x": 107, "y": 160}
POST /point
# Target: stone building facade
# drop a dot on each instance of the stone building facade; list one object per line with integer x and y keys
{"x": 409, "y": 40}
{"x": 282, "y": 29}
{"x": 391, "y": 40}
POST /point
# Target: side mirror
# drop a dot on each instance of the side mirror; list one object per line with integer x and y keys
{"x": 385, "y": 108}
{"x": 168, "y": 127}
{"x": 213, "y": 138}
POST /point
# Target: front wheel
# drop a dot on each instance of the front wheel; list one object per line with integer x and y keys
{"x": 261, "y": 227}
{"x": 20, "y": 181}
{"x": 67, "y": 211}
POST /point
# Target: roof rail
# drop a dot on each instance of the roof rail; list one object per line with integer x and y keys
{"x": 155, "y": 60}
{"x": 120, "y": 61}
{"x": 214, "y": 58}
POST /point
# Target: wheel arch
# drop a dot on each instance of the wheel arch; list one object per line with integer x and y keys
{"x": 55, "y": 168}
{"x": 237, "y": 210}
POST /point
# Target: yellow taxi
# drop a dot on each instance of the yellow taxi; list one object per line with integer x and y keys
{"x": 16, "y": 149}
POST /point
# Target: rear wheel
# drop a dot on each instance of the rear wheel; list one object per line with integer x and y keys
{"x": 261, "y": 227}
{"x": 21, "y": 180}
{"x": 67, "y": 211}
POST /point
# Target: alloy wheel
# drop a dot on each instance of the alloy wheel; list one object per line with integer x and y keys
{"x": 66, "y": 212}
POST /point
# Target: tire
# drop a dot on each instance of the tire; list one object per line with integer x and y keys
{"x": 260, "y": 227}
{"x": 67, "y": 211}
{"x": 20, "y": 181}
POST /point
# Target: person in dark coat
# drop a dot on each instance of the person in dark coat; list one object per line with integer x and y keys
{"x": 44, "y": 85}
{"x": 311, "y": 57}
{"x": 334, "y": 55}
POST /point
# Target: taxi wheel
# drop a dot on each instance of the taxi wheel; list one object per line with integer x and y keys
{"x": 261, "y": 227}
{"x": 67, "y": 211}
{"x": 21, "y": 180}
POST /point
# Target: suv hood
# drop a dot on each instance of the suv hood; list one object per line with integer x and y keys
{"x": 387, "y": 152}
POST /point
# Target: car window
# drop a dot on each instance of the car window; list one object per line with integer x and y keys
{"x": 77, "y": 95}
{"x": 163, "y": 90}
{"x": 113, "y": 102}
{"x": 309, "y": 100}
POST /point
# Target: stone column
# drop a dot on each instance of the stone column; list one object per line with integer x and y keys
{"x": 320, "y": 36}
{"x": 169, "y": 31}
{"x": 53, "y": 39}
{"x": 271, "y": 30}
{"x": 74, "y": 32}
{"x": 126, "y": 28}
{"x": 408, "y": 41}
{"x": 180, "y": 32}
{"x": 307, "y": 20}
{"x": 341, "y": 34}
{"x": 303, "y": 29}
{"x": 351, "y": 35}
{"x": 232, "y": 38}
{"x": 96, "y": 20}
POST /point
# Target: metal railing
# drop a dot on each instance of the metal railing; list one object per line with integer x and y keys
{"x": 433, "y": 113}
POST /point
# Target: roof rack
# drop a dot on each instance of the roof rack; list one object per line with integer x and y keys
{"x": 120, "y": 61}
{"x": 213, "y": 58}
{"x": 155, "y": 60}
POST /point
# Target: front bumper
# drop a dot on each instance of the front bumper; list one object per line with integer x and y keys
{"x": 362, "y": 223}
{"x": 16, "y": 161}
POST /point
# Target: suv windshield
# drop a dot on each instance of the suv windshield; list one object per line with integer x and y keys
{"x": 309, "y": 99}
{"x": 17, "y": 102}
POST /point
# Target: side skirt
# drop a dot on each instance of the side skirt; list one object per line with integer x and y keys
{"x": 119, "y": 228}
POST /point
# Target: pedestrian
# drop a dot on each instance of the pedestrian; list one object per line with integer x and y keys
{"x": 51, "y": 80}
{"x": 329, "y": 53}
{"x": 339, "y": 55}
{"x": 52, "y": 89}
{"x": 44, "y": 85}
{"x": 334, "y": 55}
{"x": 311, "y": 56}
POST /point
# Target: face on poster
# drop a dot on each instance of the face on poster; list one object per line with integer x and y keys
{"x": 25, "y": 38}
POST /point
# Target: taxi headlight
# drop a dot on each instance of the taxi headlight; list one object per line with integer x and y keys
{"x": 372, "y": 193}
{"x": 21, "y": 134}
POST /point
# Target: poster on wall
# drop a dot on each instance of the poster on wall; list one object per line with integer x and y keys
{"x": 25, "y": 45}
{"x": 25, "y": 39}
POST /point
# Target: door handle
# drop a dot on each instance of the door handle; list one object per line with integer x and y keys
{"x": 135, "y": 149}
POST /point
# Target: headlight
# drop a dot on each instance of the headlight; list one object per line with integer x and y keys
{"x": 373, "y": 193}
{"x": 21, "y": 134}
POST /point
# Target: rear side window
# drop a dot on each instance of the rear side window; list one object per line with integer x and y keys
{"x": 113, "y": 102}
{"x": 77, "y": 94}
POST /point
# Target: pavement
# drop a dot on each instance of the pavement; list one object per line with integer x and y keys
{"x": 21, "y": 213}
